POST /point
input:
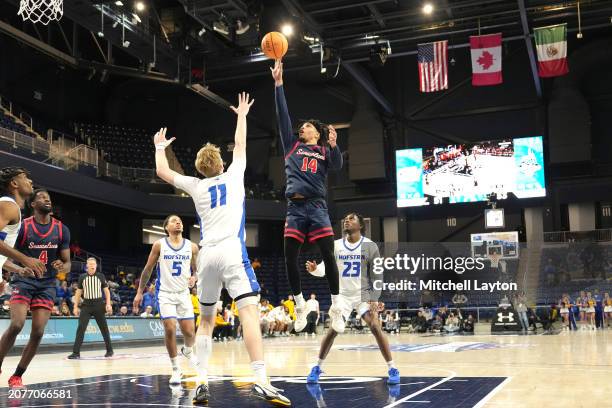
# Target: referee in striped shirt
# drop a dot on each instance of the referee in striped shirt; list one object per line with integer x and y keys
{"x": 93, "y": 288}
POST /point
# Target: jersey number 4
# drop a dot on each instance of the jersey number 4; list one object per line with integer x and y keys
{"x": 43, "y": 257}
{"x": 218, "y": 195}
{"x": 309, "y": 164}
{"x": 351, "y": 269}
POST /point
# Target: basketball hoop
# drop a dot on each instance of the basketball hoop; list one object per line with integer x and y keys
{"x": 494, "y": 258}
{"x": 41, "y": 11}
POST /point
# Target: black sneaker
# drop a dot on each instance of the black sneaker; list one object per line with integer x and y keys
{"x": 74, "y": 356}
{"x": 109, "y": 354}
{"x": 202, "y": 394}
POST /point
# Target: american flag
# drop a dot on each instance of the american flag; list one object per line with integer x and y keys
{"x": 433, "y": 66}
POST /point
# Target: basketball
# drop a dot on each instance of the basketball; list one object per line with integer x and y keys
{"x": 274, "y": 45}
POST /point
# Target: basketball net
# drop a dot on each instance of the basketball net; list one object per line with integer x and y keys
{"x": 41, "y": 11}
{"x": 494, "y": 258}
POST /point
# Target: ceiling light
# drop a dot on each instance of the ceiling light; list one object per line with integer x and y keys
{"x": 427, "y": 8}
{"x": 196, "y": 226}
{"x": 136, "y": 17}
{"x": 287, "y": 30}
{"x": 152, "y": 231}
{"x": 119, "y": 3}
{"x": 139, "y": 6}
{"x": 158, "y": 227}
{"x": 201, "y": 32}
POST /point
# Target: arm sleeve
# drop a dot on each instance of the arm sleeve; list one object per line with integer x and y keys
{"x": 186, "y": 183}
{"x": 65, "y": 244}
{"x": 284, "y": 121}
{"x": 102, "y": 280}
{"x": 335, "y": 158}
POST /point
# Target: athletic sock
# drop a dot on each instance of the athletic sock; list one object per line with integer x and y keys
{"x": 320, "y": 363}
{"x": 259, "y": 368}
{"x": 203, "y": 351}
{"x": 174, "y": 362}
{"x": 335, "y": 299}
{"x": 300, "y": 303}
{"x": 19, "y": 371}
{"x": 390, "y": 364}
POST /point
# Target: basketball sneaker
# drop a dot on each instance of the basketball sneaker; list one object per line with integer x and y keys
{"x": 270, "y": 394}
{"x": 314, "y": 375}
{"x": 394, "y": 393}
{"x": 190, "y": 356}
{"x": 175, "y": 378}
{"x": 202, "y": 395}
{"x": 394, "y": 376}
{"x": 15, "y": 382}
{"x": 317, "y": 393}
{"x": 300, "y": 319}
{"x": 337, "y": 320}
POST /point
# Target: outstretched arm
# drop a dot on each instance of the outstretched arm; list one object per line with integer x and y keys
{"x": 162, "y": 168}
{"x": 285, "y": 128}
{"x": 241, "y": 125}
{"x": 335, "y": 155}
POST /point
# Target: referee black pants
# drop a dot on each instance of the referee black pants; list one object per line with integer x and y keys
{"x": 98, "y": 311}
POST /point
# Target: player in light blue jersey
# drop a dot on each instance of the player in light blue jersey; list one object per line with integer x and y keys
{"x": 355, "y": 256}
{"x": 223, "y": 261}
{"x": 175, "y": 258}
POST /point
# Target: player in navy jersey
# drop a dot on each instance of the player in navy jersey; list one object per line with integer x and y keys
{"x": 308, "y": 158}
{"x": 47, "y": 239}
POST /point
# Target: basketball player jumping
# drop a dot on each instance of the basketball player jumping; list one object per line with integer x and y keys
{"x": 47, "y": 239}
{"x": 307, "y": 161}
{"x": 175, "y": 259}
{"x": 223, "y": 261}
{"x": 355, "y": 255}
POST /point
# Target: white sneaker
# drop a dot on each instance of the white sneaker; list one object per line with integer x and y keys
{"x": 271, "y": 394}
{"x": 175, "y": 379}
{"x": 337, "y": 320}
{"x": 300, "y": 319}
{"x": 191, "y": 357}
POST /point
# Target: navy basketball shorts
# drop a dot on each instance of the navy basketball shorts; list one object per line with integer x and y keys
{"x": 307, "y": 219}
{"x": 33, "y": 292}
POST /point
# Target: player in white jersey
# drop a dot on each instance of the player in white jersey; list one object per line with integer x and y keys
{"x": 15, "y": 188}
{"x": 355, "y": 255}
{"x": 223, "y": 261}
{"x": 176, "y": 267}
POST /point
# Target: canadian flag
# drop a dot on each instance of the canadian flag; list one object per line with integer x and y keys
{"x": 486, "y": 59}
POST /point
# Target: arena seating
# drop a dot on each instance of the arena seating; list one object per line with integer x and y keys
{"x": 8, "y": 122}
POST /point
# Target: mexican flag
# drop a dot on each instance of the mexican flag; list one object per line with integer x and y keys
{"x": 551, "y": 43}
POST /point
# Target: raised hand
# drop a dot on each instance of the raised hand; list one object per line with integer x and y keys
{"x": 277, "y": 72}
{"x": 160, "y": 140}
{"x": 332, "y": 137}
{"x": 243, "y": 104}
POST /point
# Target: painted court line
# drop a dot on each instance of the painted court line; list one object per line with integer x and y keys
{"x": 414, "y": 394}
{"x": 492, "y": 393}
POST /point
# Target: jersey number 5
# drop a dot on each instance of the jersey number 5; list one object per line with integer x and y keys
{"x": 177, "y": 268}
{"x": 309, "y": 164}
{"x": 351, "y": 269}
{"x": 218, "y": 195}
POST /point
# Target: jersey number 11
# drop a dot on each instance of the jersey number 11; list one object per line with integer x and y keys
{"x": 218, "y": 195}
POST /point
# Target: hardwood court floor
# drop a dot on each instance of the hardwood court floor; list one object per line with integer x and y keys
{"x": 564, "y": 370}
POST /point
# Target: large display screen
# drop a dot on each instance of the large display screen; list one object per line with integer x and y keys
{"x": 470, "y": 172}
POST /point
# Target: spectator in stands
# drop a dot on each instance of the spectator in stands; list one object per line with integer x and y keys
{"x": 459, "y": 299}
{"x": 222, "y": 328}
{"x": 63, "y": 293}
{"x": 149, "y": 299}
{"x": 264, "y": 308}
{"x": 520, "y": 306}
{"x": 599, "y": 318}
{"x": 436, "y": 325}
{"x": 196, "y": 306}
{"x": 256, "y": 264}
{"x": 237, "y": 332}
{"x": 55, "y": 311}
{"x": 65, "y": 310}
{"x": 148, "y": 312}
{"x": 6, "y": 308}
{"x": 391, "y": 322}
{"x": 290, "y": 304}
{"x": 73, "y": 289}
{"x": 123, "y": 282}
{"x": 452, "y": 323}
{"x": 123, "y": 311}
{"x": 468, "y": 324}
{"x": 75, "y": 249}
{"x": 443, "y": 313}
{"x": 312, "y": 316}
